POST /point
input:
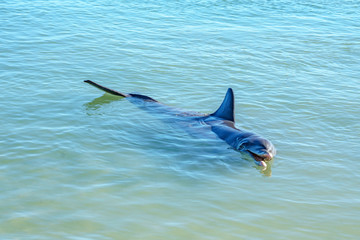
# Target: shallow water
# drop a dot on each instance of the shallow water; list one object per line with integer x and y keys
{"x": 79, "y": 164}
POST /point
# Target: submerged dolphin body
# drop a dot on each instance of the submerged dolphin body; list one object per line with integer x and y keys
{"x": 221, "y": 122}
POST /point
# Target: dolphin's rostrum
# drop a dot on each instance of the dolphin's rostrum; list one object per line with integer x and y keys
{"x": 221, "y": 122}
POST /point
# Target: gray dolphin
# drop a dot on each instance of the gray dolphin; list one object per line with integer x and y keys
{"x": 221, "y": 122}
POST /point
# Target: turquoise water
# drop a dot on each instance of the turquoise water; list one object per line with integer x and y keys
{"x": 79, "y": 164}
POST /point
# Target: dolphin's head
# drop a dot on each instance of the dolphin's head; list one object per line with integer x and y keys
{"x": 260, "y": 149}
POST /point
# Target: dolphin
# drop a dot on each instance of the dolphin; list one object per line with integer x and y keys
{"x": 221, "y": 122}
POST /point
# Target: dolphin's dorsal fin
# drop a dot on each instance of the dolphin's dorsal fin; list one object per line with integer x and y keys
{"x": 226, "y": 109}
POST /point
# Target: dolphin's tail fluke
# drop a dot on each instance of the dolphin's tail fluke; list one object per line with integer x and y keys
{"x": 108, "y": 90}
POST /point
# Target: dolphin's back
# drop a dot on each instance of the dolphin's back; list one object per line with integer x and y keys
{"x": 142, "y": 97}
{"x": 147, "y": 103}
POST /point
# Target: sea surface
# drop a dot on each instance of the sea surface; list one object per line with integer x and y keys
{"x": 79, "y": 164}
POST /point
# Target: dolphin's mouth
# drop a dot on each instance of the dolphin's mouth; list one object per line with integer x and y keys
{"x": 260, "y": 160}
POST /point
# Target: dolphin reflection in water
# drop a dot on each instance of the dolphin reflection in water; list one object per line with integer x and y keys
{"x": 221, "y": 122}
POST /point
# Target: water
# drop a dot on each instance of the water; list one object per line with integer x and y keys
{"x": 77, "y": 164}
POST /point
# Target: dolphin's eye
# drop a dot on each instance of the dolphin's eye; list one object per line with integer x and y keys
{"x": 240, "y": 144}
